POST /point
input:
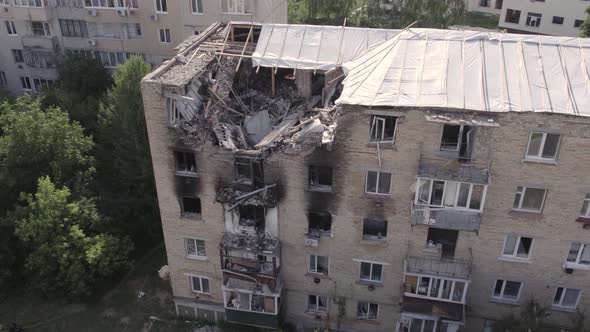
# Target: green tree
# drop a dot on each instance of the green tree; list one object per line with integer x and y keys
{"x": 68, "y": 253}
{"x": 35, "y": 143}
{"x": 532, "y": 318}
{"x": 402, "y": 13}
{"x": 585, "y": 28}
{"x": 125, "y": 177}
{"x": 320, "y": 11}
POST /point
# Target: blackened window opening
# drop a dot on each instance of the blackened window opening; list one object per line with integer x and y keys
{"x": 320, "y": 223}
{"x": 374, "y": 229}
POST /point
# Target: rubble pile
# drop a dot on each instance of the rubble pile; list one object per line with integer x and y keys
{"x": 260, "y": 243}
{"x": 265, "y": 197}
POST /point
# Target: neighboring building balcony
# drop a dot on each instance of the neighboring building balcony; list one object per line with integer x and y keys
{"x": 461, "y": 170}
{"x": 37, "y": 41}
{"x": 33, "y": 10}
{"x": 250, "y": 303}
{"x": 40, "y": 58}
{"x": 439, "y": 266}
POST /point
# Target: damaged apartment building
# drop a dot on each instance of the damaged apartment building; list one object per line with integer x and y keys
{"x": 357, "y": 179}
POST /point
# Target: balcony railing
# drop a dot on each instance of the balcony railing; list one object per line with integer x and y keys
{"x": 448, "y": 218}
{"x": 448, "y": 267}
{"x": 452, "y": 169}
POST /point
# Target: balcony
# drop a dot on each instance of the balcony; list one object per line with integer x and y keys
{"x": 263, "y": 197}
{"x": 251, "y": 303}
{"x": 454, "y": 170}
{"x": 447, "y": 218}
{"x": 34, "y": 41}
{"x": 444, "y": 267}
{"x": 40, "y": 58}
{"x": 252, "y": 318}
{"x": 42, "y": 11}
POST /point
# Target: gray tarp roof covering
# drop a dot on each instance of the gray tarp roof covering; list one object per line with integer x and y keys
{"x": 495, "y": 72}
{"x": 312, "y": 46}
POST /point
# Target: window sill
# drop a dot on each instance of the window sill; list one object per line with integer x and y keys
{"x": 369, "y": 283}
{"x": 197, "y": 14}
{"x": 197, "y": 258}
{"x": 514, "y": 260}
{"x": 583, "y": 220}
{"x": 317, "y": 275}
{"x": 187, "y": 174}
{"x": 540, "y": 161}
{"x": 563, "y": 309}
{"x": 236, "y": 13}
{"x": 368, "y": 321}
{"x": 376, "y": 195}
{"x": 576, "y": 266}
{"x": 161, "y": 13}
{"x": 504, "y": 301}
{"x": 189, "y": 216}
{"x": 529, "y": 214}
{"x": 374, "y": 241}
{"x": 321, "y": 190}
{"x": 316, "y": 312}
{"x": 382, "y": 145}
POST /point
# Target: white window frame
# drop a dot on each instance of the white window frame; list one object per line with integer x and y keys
{"x": 46, "y": 29}
{"x": 585, "y": 211}
{"x": 560, "y": 302}
{"x": 40, "y": 83}
{"x": 379, "y": 137}
{"x": 30, "y": 3}
{"x": 539, "y": 157}
{"x": 161, "y": 4}
{"x": 200, "y": 255}
{"x": 134, "y": 30}
{"x": 454, "y": 206}
{"x": 439, "y": 296}
{"x": 576, "y": 263}
{"x": 118, "y": 4}
{"x": 25, "y": 80}
{"x": 423, "y": 319}
{"x": 522, "y": 193}
{"x": 367, "y": 315}
{"x": 377, "y": 183}
{"x": 3, "y": 79}
{"x": 18, "y": 55}
{"x": 501, "y": 296}
{"x": 317, "y": 302}
{"x": 371, "y": 271}
{"x": 165, "y": 32}
{"x": 514, "y": 253}
{"x": 459, "y": 138}
{"x": 192, "y": 277}
{"x": 199, "y": 7}
{"x": 314, "y": 259}
{"x": 10, "y": 28}
{"x": 235, "y": 7}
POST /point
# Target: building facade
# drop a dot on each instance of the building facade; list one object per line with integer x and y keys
{"x": 34, "y": 34}
{"x": 546, "y": 17}
{"x": 408, "y": 206}
{"x": 485, "y": 6}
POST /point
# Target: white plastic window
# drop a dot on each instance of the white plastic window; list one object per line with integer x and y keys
{"x": 517, "y": 246}
{"x": 542, "y": 146}
{"x": 529, "y": 199}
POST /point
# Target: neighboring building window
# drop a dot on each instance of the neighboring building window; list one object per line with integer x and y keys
{"x": 40, "y": 29}
{"x": 111, "y": 3}
{"x": 191, "y": 207}
{"x": 507, "y": 290}
{"x": 579, "y": 254}
{"x": 578, "y": 23}
{"x": 451, "y": 194}
{"x": 111, "y": 59}
{"x": 320, "y": 178}
{"x": 28, "y": 3}
{"x": 165, "y": 36}
{"x": 73, "y": 28}
{"x": 585, "y": 212}
{"x": 517, "y": 246}
{"x": 18, "y": 56}
{"x": 558, "y": 20}
{"x": 374, "y": 229}
{"x": 317, "y": 303}
{"x": 484, "y": 3}
{"x": 234, "y": 6}
{"x": 367, "y": 310}
{"x": 4, "y": 2}
{"x": 199, "y": 284}
{"x": 185, "y": 162}
{"x": 134, "y": 30}
{"x": 529, "y": 199}
{"x": 41, "y": 83}
{"x": 320, "y": 224}
{"x": 371, "y": 272}
{"x": 566, "y": 297}
{"x": 196, "y": 6}
{"x": 512, "y": 16}
{"x": 3, "y": 80}
{"x": 499, "y": 4}
{"x": 542, "y": 146}
{"x": 10, "y": 28}
{"x": 378, "y": 183}
{"x": 161, "y": 7}
{"x": 382, "y": 129}
{"x": 26, "y": 83}
{"x": 194, "y": 247}
{"x": 319, "y": 264}
{"x": 533, "y": 20}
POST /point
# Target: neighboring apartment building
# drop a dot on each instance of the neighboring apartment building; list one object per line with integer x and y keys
{"x": 442, "y": 191}
{"x": 485, "y": 6}
{"x": 34, "y": 34}
{"x": 545, "y": 17}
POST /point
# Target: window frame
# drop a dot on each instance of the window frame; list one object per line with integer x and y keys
{"x": 185, "y": 172}
{"x": 373, "y": 124}
{"x": 3, "y": 79}
{"x": 370, "y": 272}
{"x": 513, "y": 255}
{"x": 236, "y": 4}
{"x": 439, "y": 296}
{"x": 558, "y": 17}
{"x": 378, "y": 172}
{"x": 193, "y": 3}
{"x": 70, "y": 26}
{"x": 317, "y": 303}
{"x": 28, "y": 81}
{"x": 522, "y": 194}
{"x": 314, "y": 258}
{"x": 200, "y": 278}
{"x": 454, "y": 206}
{"x": 576, "y": 263}
{"x": 10, "y": 28}
{"x": 313, "y": 176}
{"x": 502, "y": 297}
{"x": 530, "y": 16}
{"x": 459, "y": 138}
{"x": 27, "y": 3}
{"x": 368, "y": 314}
{"x": 539, "y": 157}
{"x": 167, "y": 34}
{"x": 199, "y": 255}
{"x": 18, "y": 55}
{"x": 563, "y": 292}
{"x": 190, "y": 215}
{"x": 512, "y": 15}
{"x": 45, "y": 27}
{"x": 585, "y": 204}
{"x": 163, "y": 6}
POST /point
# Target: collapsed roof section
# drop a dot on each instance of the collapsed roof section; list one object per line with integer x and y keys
{"x": 216, "y": 94}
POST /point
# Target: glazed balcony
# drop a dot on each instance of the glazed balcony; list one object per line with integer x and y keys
{"x": 251, "y": 303}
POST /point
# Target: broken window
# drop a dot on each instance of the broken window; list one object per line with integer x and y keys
{"x": 186, "y": 163}
{"x": 174, "y": 115}
{"x": 507, "y": 290}
{"x": 251, "y": 216}
{"x": 457, "y": 138}
{"x": 320, "y": 178}
{"x": 199, "y": 284}
{"x": 446, "y": 238}
{"x": 317, "y": 303}
{"x": 194, "y": 248}
{"x": 382, "y": 129}
{"x": 374, "y": 229}
{"x": 319, "y": 264}
{"x": 191, "y": 206}
{"x": 378, "y": 183}
{"x": 320, "y": 223}
{"x": 517, "y": 246}
{"x": 248, "y": 170}
{"x": 579, "y": 254}
{"x": 529, "y": 199}
{"x": 451, "y": 194}
{"x": 512, "y": 16}
{"x": 566, "y": 297}
{"x": 371, "y": 272}
{"x": 367, "y": 310}
{"x": 542, "y": 146}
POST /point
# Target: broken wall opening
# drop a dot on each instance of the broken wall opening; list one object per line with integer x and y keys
{"x": 319, "y": 224}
